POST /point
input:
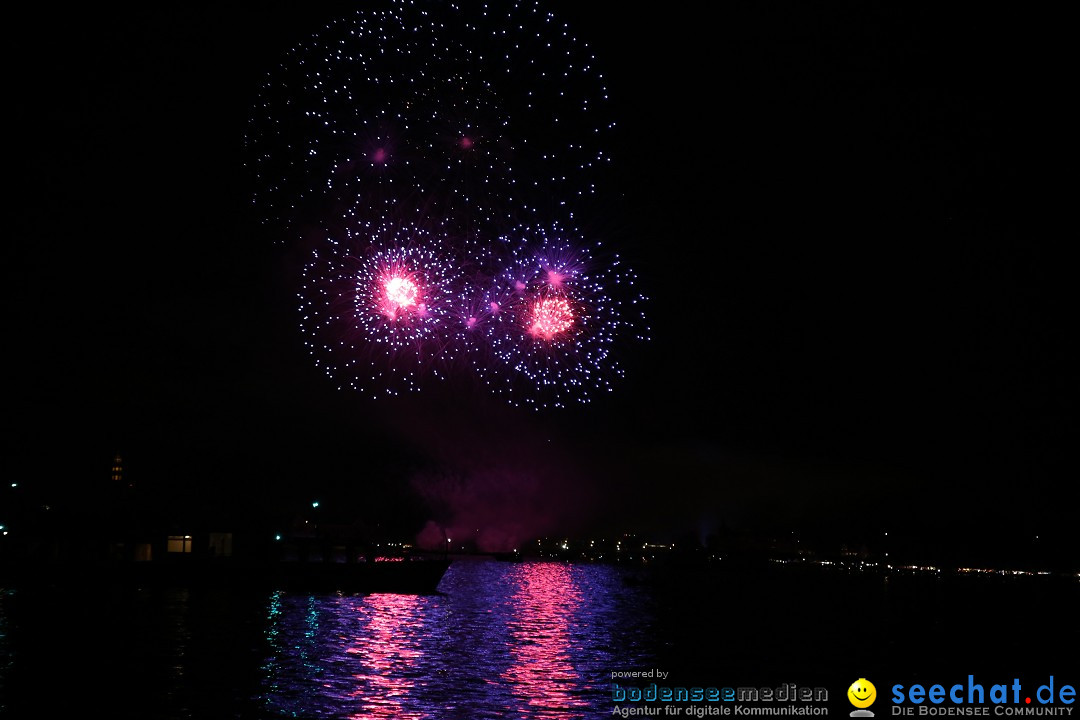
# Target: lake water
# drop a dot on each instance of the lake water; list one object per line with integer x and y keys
{"x": 518, "y": 640}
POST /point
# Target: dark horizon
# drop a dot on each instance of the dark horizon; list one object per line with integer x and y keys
{"x": 859, "y": 315}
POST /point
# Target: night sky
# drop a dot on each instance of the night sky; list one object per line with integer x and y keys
{"x": 848, "y": 221}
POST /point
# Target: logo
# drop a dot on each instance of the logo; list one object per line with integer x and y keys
{"x": 862, "y": 694}
{"x": 974, "y": 698}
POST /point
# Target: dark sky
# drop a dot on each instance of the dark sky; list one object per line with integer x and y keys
{"x": 849, "y": 221}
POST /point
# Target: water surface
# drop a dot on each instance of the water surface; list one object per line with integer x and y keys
{"x": 515, "y": 640}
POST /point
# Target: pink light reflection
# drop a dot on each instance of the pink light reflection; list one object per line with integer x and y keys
{"x": 542, "y": 675}
{"x": 388, "y": 655}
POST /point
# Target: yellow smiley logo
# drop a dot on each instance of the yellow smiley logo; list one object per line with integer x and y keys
{"x": 862, "y": 693}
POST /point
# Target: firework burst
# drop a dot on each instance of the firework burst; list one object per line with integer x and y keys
{"x": 553, "y": 318}
{"x": 461, "y": 108}
{"x": 376, "y": 307}
{"x": 400, "y": 143}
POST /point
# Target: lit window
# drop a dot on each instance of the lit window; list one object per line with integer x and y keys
{"x": 179, "y": 544}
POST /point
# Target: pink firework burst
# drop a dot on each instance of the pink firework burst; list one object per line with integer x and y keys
{"x": 552, "y": 312}
{"x": 376, "y": 308}
{"x": 401, "y": 292}
{"x": 550, "y": 317}
{"x": 398, "y": 292}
